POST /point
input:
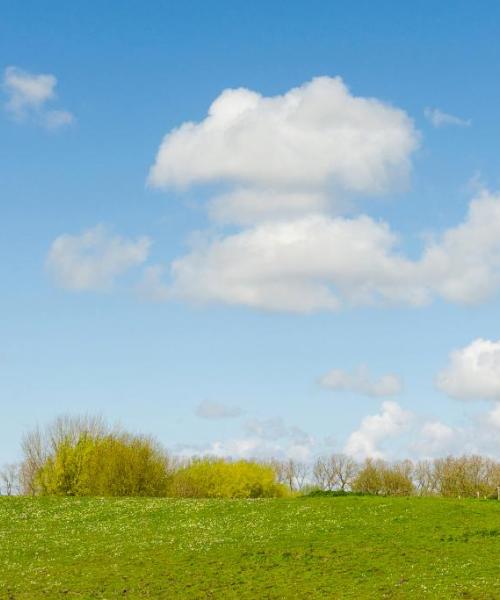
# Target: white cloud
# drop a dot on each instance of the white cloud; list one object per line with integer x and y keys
{"x": 247, "y": 206}
{"x": 28, "y": 95}
{"x": 93, "y": 259}
{"x": 318, "y": 262}
{"x": 473, "y": 372}
{"x": 367, "y": 441}
{"x": 463, "y": 265}
{"x": 291, "y": 162}
{"x": 437, "y": 439}
{"x": 493, "y": 417}
{"x": 255, "y": 447}
{"x": 27, "y": 91}
{"x": 438, "y": 118}
{"x": 275, "y": 429}
{"x": 217, "y": 410}
{"x": 391, "y": 433}
{"x": 437, "y": 431}
{"x": 478, "y": 435}
{"x": 361, "y": 382}
{"x": 315, "y": 135}
{"x": 261, "y": 439}
{"x": 302, "y": 265}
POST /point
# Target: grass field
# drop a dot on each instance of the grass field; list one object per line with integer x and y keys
{"x": 355, "y": 547}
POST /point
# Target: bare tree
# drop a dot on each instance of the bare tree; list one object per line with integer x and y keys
{"x": 345, "y": 469}
{"x": 279, "y": 470}
{"x": 35, "y": 453}
{"x": 300, "y": 473}
{"x": 335, "y": 471}
{"x": 291, "y": 473}
{"x": 9, "y": 479}
{"x": 323, "y": 475}
{"x": 425, "y": 478}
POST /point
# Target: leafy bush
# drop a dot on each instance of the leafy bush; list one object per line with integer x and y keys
{"x": 81, "y": 456}
{"x": 112, "y": 465}
{"x": 379, "y": 477}
{"x": 217, "y": 478}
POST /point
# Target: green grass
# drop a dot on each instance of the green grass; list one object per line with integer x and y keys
{"x": 353, "y": 547}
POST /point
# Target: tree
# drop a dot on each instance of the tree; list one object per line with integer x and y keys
{"x": 39, "y": 444}
{"x": 296, "y": 474}
{"x": 323, "y": 475}
{"x": 84, "y": 457}
{"x": 466, "y": 476}
{"x": 335, "y": 471}
{"x": 369, "y": 479}
{"x": 425, "y": 478}
{"x": 219, "y": 478}
{"x": 290, "y": 472}
{"x": 9, "y": 479}
{"x": 380, "y": 477}
{"x": 345, "y": 469}
{"x": 397, "y": 478}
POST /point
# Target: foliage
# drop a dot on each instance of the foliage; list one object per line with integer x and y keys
{"x": 217, "y": 478}
{"x": 347, "y": 548}
{"x": 83, "y": 456}
{"x": 466, "y": 476}
{"x": 109, "y": 465}
{"x": 42, "y": 444}
{"x": 379, "y": 477}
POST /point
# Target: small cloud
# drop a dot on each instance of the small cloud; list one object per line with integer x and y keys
{"x": 55, "y": 119}
{"x": 438, "y": 439}
{"x": 261, "y": 439}
{"x": 361, "y": 382}
{"x": 275, "y": 428}
{"x": 438, "y": 118}
{"x": 473, "y": 372}
{"x": 28, "y": 95}
{"x": 93, "y": 260}
{"x": 374, "y": 430}
{"x": 217, "y": 410}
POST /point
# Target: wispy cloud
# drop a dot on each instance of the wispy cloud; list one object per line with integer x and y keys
{"x": 438, "y": 118}
{"x": 361, "y": 382}
{"x": 217, "y": 410}
{"x": 92, "y": 260}
{"x": 28, "y": 95}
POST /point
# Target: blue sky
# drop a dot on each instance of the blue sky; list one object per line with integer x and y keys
{"x": 207, "y": 372}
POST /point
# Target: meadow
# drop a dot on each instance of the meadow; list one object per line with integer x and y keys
{"x": 345, "y": 547}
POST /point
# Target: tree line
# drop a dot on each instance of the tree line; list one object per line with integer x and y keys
{"x": 83, "y": 456}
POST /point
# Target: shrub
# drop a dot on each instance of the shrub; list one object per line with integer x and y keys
{"x": 466, "y": 476}
{"x": 368, "y": 480}
{"x": 114, "y": 465}
{"x": 217, "y": 478}
{"x": 76, "y": 460}
{"x": 378, "y": 477}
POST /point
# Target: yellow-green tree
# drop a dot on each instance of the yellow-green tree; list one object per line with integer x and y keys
{"x": 218, "y": 478}
{"x": 75, "y": 459}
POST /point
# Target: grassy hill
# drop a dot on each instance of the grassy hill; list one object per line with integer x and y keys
{"x": 352, "y": 547}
